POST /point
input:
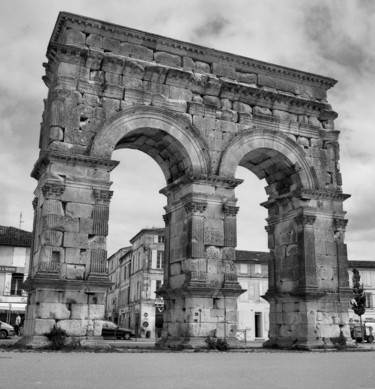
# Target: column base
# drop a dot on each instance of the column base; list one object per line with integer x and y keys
{"x": 192, "y": 343}
{"x": 41, "y": 342}
{"x": 304, "y": 344}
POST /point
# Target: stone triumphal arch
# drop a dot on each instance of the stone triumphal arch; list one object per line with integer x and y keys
{"x": 199, "y": 113}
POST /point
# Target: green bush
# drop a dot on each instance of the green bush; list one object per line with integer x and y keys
{"x": 214, "y": 343}
{"x": 339, "y": 342}
{"x": 57, "y": 337}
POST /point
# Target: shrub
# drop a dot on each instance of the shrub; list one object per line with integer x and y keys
{"x": 339, "y": 342}
{"x": 57, "y": 337}
{"x": 214, "y": 343}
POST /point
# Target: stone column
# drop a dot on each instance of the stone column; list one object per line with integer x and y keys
{"x": 308, "y": 291}
{"x": 201, "y": 287}
{"x": 68, "y": 277}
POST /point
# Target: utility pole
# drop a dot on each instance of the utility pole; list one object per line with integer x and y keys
{"x": 21, "y": 221}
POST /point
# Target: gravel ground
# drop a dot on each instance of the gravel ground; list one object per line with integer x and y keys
{"x": 20, "y": 370}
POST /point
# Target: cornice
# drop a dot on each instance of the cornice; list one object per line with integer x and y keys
{"x": 201, "y": 178}
{"x": 305, "y": 194}
{"x": 69, "y": 159}
{"x": 195, "y": 51}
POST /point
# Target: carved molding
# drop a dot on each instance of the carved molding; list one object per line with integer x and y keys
{"x": 70, "y": 159}
{"x": 199, "y": 52}
{"x": 167, "y": 218}
{"x": 53, "y": 190}
{"x": 195, "y": 207}
{"x": 305, "y": 220}
{"x": 102, "y": 196}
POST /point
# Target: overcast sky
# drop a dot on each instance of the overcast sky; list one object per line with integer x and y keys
{"x": 335, "y": 38}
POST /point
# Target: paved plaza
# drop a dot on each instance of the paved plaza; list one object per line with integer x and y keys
{"x": 45, "y": 370}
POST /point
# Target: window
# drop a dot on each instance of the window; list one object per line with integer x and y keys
{"x": 258, "y": 269}
{"x": 369, "y": 303}
{"x": 17, "y": 281}
{"x": 161, "y": 239}
{"x": 243, "y": 268}
{"x": 158, "y": 284}
{"x": 160, "y": 260}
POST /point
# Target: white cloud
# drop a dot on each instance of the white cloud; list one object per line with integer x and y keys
{"x": 334, "y": 38}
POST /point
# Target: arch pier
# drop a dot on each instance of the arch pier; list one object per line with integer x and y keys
{"x": 199, "y": 113}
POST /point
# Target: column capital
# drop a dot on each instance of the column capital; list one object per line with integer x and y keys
{"x": 270, "y": 228}
{"x": 230, "y": 210}
{"x": 340, "y": 224}
{"x": 305, "y": 220}
{"x": 195, "y": 207}
{"x": 52, "y": 189}
{"x": 102, "y": 196}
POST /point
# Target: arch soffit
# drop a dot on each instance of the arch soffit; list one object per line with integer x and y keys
{"x": 250, "y": 140}
{"x": 131, "y": 119}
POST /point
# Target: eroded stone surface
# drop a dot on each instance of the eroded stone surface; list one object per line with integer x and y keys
{"x": 199, "y": 114}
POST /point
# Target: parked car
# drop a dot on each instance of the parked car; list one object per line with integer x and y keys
{"x": 356, "y": 333}
{"x": 112, "y": 330}
{"x": 6, "y": 330}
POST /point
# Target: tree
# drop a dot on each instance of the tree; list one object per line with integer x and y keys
{"x": 358, "y": 303}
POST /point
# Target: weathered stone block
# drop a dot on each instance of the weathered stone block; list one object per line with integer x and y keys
{"x": 212, "y": 100}
{"x": 261, "y": 110}
{"x": 113, "y": 64}
{"x": 43, "y": 326}
{"x": 75, "y": 37}
{"x": 177, "y": 93}
{"x": 74, "y": 327}
{"x": 76, "y": 240}
{"x": 51, "y": 238}
{"x": 94, "y": 40}
{"x": 167, "y": 59}
{"x": 57, "y": 311}
{"x": 52, "y": 207}
{"x": 111, "y": 44}
{"x": 60, "y": 223}
{"x": 133, "y": 69}
{"x": 136, "y": 51}
{"x": 213, "y": 232}
{"x": 86, "y": 226}
{"x": 132, "y": 83}
{"x": 247, "y": 78}
{"x": 223, "y": 71}
{"x": 87, "y": 312}
{"x": 75, "y": 272}
{"x": 78, "y": 210}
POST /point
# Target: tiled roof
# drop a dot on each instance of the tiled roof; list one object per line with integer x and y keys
{"x": 154, "y": 231}
{"x": 255, "y": 256}
{"x": 361, "y": 264}
{"x": 11, "y": 236}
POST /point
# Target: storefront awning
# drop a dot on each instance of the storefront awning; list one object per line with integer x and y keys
{"x": 13, "y": 307}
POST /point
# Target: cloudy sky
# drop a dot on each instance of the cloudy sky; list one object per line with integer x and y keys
{"x": 335, "y": 38}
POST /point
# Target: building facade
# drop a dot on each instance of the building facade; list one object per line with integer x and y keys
{"x": 253, "y": 310}
{"x": 136, "y": 273}
{"x": 14, "y": 266}
{"x": 367, "y": 272}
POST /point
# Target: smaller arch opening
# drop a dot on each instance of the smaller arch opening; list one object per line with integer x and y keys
{"x": 279, "y": 172}
{"x": 168, "y": 152}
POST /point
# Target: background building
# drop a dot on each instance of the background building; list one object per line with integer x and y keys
{"x": 253, "y": 310}
{"x": 136, "y": 273}
{"x": 14, "y": 265}
{"x": 367, "y": 271}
